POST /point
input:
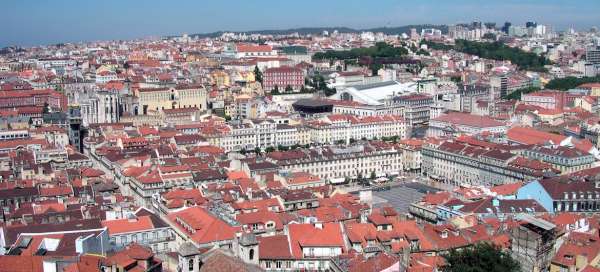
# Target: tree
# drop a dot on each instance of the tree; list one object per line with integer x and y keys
{"x": 258, "y": 76}
{"x": 489, "y": 36}
{"x": 269, "y": 149}
{"x": 567, "y": 83}
{"x": 380, "y": 52}
{"x": 496, "y": 51}
{"x": 483, "y": 257}
{"x": 257, "y": 150}
{"x": 275, "y": 90}
{"x": 46, "y": 108}
{"x": 456, "y": 79}
{"x": 423, "y": 52}
{"x": 373, "y": 175}
{"x": 288, "y": 89}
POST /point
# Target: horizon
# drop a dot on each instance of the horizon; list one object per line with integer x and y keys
{"x": 64, "y": 21}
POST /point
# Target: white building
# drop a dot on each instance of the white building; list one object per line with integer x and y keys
{"x": 464, "y": 123}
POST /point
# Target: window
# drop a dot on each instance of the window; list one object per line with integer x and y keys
{"x": 191, "y": 265}
{"x": 251, "y": 254}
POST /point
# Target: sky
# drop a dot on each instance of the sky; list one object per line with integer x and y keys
{"x": 38, "y": 22}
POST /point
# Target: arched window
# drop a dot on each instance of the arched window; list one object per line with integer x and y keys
{"x": 251, "y": 254}
{"x": 191, "y": 265}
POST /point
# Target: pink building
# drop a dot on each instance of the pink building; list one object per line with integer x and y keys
{"x": 282, "y": 77}
{"x": 545, "y": 99}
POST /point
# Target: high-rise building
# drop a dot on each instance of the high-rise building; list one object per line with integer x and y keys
{"x": 506, "y": 27}
{"x": 530, "y": 24}
{"x": 592, "y": 55}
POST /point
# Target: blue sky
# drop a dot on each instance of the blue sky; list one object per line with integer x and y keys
{"x": 34, "y": 22}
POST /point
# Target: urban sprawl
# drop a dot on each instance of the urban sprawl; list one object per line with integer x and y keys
{"x": 325, "y": 151}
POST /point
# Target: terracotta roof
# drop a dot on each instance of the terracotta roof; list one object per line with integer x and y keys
{"x": 253, "y": 48}
{"x": 118, "y": 226}
{"x": 205, "y": 228}
{"x": 274, "y": 247}
{"x": 307, "y": 235}
{"x": 459, "y": 118}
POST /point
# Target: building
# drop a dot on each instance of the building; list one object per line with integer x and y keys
{"x": 465, "y": 164}
{"x": 564, "y": 194}
{"x": 373, "y": 99}
{"x": 99, "y": 107}
{"x": 142, "y": 227}
{"x": 545, "y": 99}
{"x": 297, "y": 54}
{"x": 565, "y": 159}
{"x": 533, "y": 243}
{"x": 203, "y": 229}
{"x": 592, "y": 55}
{"x": 334, "y": 163}
{"x": 254, "y": 51}
{"x": 33, "y": 98}
{"x": 344, "y": 128}
{"x": 416, "y": 107}
{"x": 282, "y": 77}
{"x": 455, "y": 123}
{"x": 156, "y": 99}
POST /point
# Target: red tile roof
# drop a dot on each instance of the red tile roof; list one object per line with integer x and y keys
{"x": 205, "y": 228}
{"x": 307, "y": 235}
{"x": 466, "y": 119}
{"x": 274, "y": 247}
{"x": 119, "y": 226}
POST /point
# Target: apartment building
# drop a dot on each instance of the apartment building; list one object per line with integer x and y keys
{"x": 340, "y": 162}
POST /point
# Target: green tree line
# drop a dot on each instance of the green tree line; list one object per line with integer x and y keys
{"x": 496, "y": 51}
{"x": 567, "y": 83}
{"x": 380, "y": 50}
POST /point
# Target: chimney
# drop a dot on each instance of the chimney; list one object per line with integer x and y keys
{"x": 319, "y": 225}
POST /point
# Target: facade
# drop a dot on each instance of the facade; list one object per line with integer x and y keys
{"x": 157, "y": 99}
{"x": 282, "y": 77}
{"x": 257, "y": 133}
{"x": 340, "y": 162}
{"x": 254, "y": 51}
{"x": 464, "y": 123}
{"x": 345, "y": 127}
{"x": 417, "y": 107}
{"x": 464, "y": 164}
{"x": 33, "y": 98}
{"x": 545, "y": 99}
{"x": 100, "y": 107}
{"x": 563, "y": 158}
{"x": 533, "y": 243}
{"x": 144, "y": 228}
{"x": 563, "y": 194}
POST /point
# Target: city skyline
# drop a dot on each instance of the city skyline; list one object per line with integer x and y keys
{"x": 113, "y": 20}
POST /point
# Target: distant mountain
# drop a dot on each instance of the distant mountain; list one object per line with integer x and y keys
{"x": 319, "y": 30}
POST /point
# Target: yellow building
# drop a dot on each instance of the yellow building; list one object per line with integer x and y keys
{"x": 220, "y": 78}
{"x": 593, "y": 87}
{"x": 155, "y": 99}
